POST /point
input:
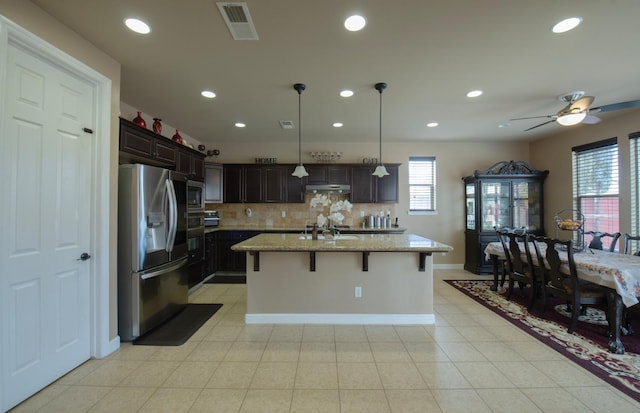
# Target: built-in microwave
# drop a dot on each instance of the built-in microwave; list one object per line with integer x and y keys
{"x": 195, "y": 196}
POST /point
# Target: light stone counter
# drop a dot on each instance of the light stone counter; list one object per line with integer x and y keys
{"x": 358, "y": 279}
{"x": 342, "y": 242}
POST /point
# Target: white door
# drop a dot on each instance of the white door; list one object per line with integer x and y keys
{"x": 45, "y": 288}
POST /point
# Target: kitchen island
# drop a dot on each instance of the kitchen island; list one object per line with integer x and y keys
{"x": 351, "y": 279}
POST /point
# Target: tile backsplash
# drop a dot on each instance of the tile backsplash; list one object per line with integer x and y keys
{"x": 289, "y": 215}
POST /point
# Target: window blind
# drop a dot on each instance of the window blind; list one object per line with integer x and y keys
{"x": 634, "y": 144}
{"x": 596, "y": 185}
{"x": 422, "y": 183}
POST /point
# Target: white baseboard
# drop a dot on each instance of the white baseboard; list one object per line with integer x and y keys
{"x": 386, "y": 319}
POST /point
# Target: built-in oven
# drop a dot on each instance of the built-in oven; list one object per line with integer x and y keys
{"x": 195, "y": 196}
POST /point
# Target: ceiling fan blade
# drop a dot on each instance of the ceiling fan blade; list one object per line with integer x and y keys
{"x": 542, "y": 124}
{"x": 616, "y": 106}
{"x": 581, "y": 104}
{"x": 590, "y": 119}
{"x": 537, "y": 117}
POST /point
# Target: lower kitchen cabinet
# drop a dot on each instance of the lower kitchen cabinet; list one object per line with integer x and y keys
{"x": 229, "y": 260}
{"x": 210, "y": 254}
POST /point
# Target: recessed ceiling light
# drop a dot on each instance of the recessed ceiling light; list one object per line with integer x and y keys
{"x": 474, "y": 93}
{"x": 567, "y": 24}
{"x": 208, "y": 94}
{"x": 432, "y": 124}
{"x": 346, "y": 93}
{"x": 504, "y": 125}
{"x": 240, "y": 125}
{"x": 137, "y": 25}
{"x": 355, "y": 23}
{"x": 337, "y": 124}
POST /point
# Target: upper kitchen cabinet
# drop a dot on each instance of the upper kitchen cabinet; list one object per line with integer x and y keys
{"x": 366, "y": 188}
{"x": 138, "y": 144}
{"x": 509, "y": 194}
{"x": 213, "y": 183}
{"x": 255, "y": 183}
{"x": 295, "y": 186}
{"x": 320, "y": 174}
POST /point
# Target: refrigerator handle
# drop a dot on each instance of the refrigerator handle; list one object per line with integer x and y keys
{"x": 173, "y": 215}
{"x": 174, "y": 265}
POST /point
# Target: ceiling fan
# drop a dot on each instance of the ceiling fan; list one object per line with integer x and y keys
{"x": 577, "y": 110}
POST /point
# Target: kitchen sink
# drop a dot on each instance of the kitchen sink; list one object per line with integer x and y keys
{"x": 335, "y": 237}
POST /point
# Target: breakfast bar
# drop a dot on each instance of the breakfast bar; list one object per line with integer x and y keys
{"x": 344, "y": 279}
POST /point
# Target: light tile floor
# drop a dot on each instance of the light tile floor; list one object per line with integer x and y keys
{"x": 470, "y": 360}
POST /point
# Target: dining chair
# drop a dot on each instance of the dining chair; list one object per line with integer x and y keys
{"x": 577, "y": 292}
{"x": 628, "y": 242}
{"x": 503, "y": 237}
{"x": 522, "y": 272}
{"x": 596, "y": 239}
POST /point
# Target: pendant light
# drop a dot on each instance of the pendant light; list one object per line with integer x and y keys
{"x": 380, "y": 169}
{"x": 300, "y": 171}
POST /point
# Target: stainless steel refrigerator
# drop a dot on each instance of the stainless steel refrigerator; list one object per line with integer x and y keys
{"x": 152, "y": 247}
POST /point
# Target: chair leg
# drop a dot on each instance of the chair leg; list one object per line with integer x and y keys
{"x": 510, "y": 288}
{"x": 575, "y": 313}
{"x": 532, "y": 297}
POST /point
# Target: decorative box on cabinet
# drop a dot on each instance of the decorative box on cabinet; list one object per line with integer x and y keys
{"x": 509, "y": 194}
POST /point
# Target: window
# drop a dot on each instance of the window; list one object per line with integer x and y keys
{"x": 595, "y": 185}
{"x": 422, "y": 184}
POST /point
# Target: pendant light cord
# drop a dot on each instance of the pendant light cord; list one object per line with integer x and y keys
{"x": 380, "y": 129}
{"x": 299, "y": 128}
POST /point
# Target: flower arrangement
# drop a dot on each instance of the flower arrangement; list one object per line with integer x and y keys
{"x": 322, "y": 201}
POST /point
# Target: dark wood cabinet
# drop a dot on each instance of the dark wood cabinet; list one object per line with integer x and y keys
{"x": 366, "y": 188}
{"x": 229, "y": 260}
{"x": 274, "y": 183}
{"x": 295, "y": 186}
{"x": 233, "y": 185}
{"x": 138, "y": 144}
{"x": 213, "y": 183}
{"x": 256, "y": 183}
{"x": 509, "y": 194}
{"x": 210, "y": 264}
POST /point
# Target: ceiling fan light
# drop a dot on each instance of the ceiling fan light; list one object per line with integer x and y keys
{"x": 571, "y": 118}
{"x": 300, "y": 172}
{"x": 380, "y": 171}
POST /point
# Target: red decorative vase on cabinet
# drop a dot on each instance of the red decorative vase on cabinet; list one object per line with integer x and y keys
{"x": 139, "y": 121}
{"x": 157, "y": 126}
{"x": 177, "y": 137}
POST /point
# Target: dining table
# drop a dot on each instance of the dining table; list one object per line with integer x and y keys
{"x": 618, "y": 274}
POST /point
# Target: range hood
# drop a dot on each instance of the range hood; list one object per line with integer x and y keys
{"x": 335, "y": 188}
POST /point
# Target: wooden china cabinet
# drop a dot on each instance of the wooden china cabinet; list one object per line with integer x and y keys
{"x": 509, "y": 194}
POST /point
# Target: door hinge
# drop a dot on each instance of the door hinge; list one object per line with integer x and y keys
{"x": 87, "y": 130}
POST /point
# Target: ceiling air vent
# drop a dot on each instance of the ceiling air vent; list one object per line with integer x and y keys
{"x": 287, "y": 124}
{"x": 236, "y": 16}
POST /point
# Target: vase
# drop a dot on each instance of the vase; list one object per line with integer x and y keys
{"x": 139, "y": 121}
{"x": 157, "y": 126}
{"x": 177, "y": 137}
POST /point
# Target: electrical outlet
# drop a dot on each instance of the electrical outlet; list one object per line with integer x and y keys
{"x": 358, "y": 292}
{"x": 284, "y": 214}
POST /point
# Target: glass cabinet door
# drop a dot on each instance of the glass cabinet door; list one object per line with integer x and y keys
{"x": 470, "y": 201}
{"x": 495, "y": 205}
{"x": 526, "y": 205}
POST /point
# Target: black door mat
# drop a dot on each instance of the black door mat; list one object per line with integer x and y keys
{"x": 227, "y": 279}
{"x": 178, "y": 329}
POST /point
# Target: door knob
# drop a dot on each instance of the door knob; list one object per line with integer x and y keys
{"x": 84, "y": 256}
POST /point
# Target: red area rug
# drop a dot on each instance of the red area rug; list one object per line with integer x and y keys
{"x": 587, "y": 346}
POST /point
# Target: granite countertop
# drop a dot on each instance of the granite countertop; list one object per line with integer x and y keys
{"x": 300, "y": 230}
{"x": 352, "y": 242}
